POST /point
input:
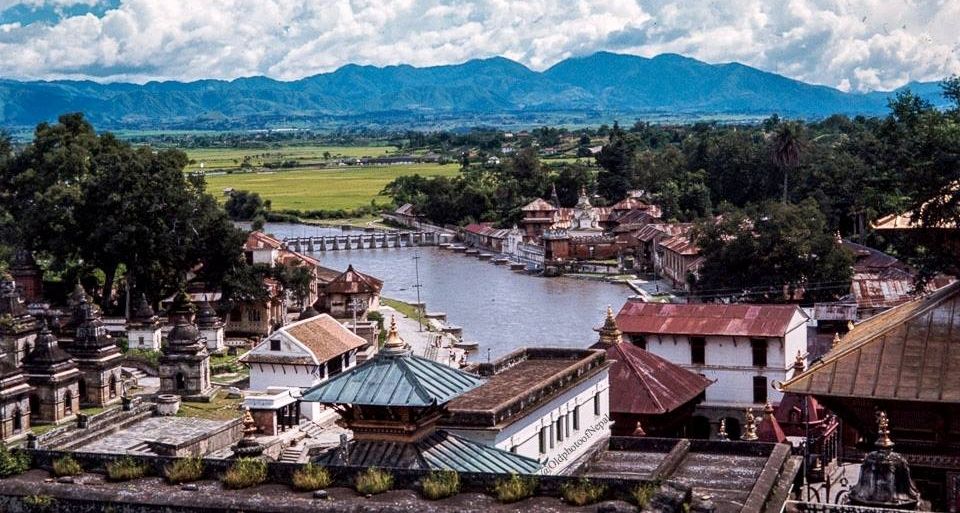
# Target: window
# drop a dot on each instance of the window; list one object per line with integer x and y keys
{"x": 560, "y": 429}
{"x": 236, "y": 315}
{"x": 17, "y": 420}
{"x": 576, "y": 418}
{"x": 551, "y": 435}
{"x": 596, "y": 404}
{"x": 68, "y": 402}
{"x": 698, "y": 350}
{"x": 566, "y": 424}
{"x": 141, "y": 341}
{"x": 759, "y": 347}
{"x": 274, "y": 344}
{"x": 543, "y": 440}
{"x": 253, "y": 315}
{"x": 759, "y": 389}
{"x": 639, "y": 341}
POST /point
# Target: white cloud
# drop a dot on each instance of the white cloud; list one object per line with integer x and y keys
{"x": 851, "y": 44}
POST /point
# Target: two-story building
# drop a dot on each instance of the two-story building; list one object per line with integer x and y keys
{"x": 744, "y": 349}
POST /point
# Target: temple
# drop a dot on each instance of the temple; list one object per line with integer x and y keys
{"x": 185, "y": 362}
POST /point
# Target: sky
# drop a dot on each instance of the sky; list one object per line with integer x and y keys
{"x": 853, "y": 45}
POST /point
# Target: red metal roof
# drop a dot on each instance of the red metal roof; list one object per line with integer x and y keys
{"x": 353, "y": 282}
{"x": 645, "y": 384}
{"x": 709, "y": 319}
{"x": 538, "y": 205}
{"x": 680, "y": 244}
{"x": 260, "y": 240}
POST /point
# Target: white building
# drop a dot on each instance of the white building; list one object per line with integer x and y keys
{"x": 144, "y": 330}
{"x": 745, "y": 349}
{"x": 302, "y": 354}
{"x": 549, "y": 404}
{"x": 211, "y": 327}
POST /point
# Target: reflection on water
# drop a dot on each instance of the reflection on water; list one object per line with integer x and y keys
{"x": 499, "y": 308}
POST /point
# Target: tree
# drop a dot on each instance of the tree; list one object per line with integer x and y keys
{"x": 244, "y": 205}
{"x": 788, "y": 144}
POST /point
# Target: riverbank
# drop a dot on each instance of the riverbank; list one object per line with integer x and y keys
{"x": 427, "y": 339}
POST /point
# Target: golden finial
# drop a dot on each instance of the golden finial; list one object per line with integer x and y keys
{"x": 799, "y": 363}
{"x": 768, "y": 409}
{"x": 836, "y": 340}
{"x": 883, "y": 431}
{"x": 394, "y": 341}
{"x": 723, "y": 430}
{"x": 750, "y": 427}
{"x": 850, "y": 326}
{"x": 249, "y": 425}
{"x": 610, "y": 334}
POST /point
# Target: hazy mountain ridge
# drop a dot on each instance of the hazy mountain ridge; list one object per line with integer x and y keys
{"x": 595, "y": 86}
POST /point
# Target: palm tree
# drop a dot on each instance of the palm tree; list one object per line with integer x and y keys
{"x": 788, "y": 144}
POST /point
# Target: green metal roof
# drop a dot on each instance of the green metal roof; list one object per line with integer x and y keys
{"x": 395, "y": 380}
{"x": 440, "y": 450}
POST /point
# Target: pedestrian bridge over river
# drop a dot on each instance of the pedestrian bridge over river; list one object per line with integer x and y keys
{"x": 370, "y": 240}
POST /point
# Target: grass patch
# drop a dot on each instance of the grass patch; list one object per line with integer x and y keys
{"x": 66, "y": 466}
{"x": 126, "y": 469}
{"x": 373, "y": 481}
{"x": 311, "y": 477}
{"x": 642, "y": 494}
{"x": 582, "y": 492}
{"x": 441, "y": 484}
{"x": 185, "y": 470}
{"x": 232, "y": 158}
{"x": 221, "y": 408}
{"x": 344, "y": 188}
{"x": 151, "y": 358}
{"x": 13, "y": 463}
{"x": 244, "y": 473}
{"x": 404, "y": 309}
{"x": 514, "y": 488}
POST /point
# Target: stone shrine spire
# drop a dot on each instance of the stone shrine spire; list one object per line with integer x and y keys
{"x": 610, "y": 334}
{"x": 885, "y": 480}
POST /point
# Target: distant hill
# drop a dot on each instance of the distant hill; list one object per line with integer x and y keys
{"x": 595, "y": 88}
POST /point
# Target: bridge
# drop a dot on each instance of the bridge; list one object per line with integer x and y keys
{"x": 365, "y": 241}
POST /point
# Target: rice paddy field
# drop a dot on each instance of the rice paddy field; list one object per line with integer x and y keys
{"x": 215, "y": 159}
{"x": 323, "y": 188}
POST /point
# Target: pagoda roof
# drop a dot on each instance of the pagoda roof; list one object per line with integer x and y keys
{"x": 353, "y": 282}
{"x": 395, "y": 380}
{"x": 769, "y": 429}
{"x": 439, "y": 450}
{"x": 47, "y": 355}
{"x": 646, "y": 384}
{"x": 908, "y": 353}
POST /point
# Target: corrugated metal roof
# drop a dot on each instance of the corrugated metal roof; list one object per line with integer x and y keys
{"x": 908, "y": 353}
{"x": 709, "y": 319}
{"x": 646, "y": 384}
{"x": 395, "y": 380}
{"x": 440, "y": 450}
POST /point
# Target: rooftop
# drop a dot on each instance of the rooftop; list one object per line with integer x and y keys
{"x": 710, "y": 319}
{"x": 322, "y": 335}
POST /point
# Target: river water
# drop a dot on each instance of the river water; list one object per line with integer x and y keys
{"x": 499, "y": 308}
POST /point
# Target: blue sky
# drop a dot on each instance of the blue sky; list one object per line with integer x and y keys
{"x": 857, "y": 45}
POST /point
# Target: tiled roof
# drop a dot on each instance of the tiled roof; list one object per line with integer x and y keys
{"x": 709, "y": 319}
{"x": 405, "y": 210}
{"x": 646, "y": 384}
{"x": 538, "y": 205}
{"x": 321, "y": 335}
{"x": 260, "y": 240}
{"x": 908, "y": 353}
{"x": 438, "y": 451}
{"x": 388, "y": 380}
{"x": 486, "y": 230}
{"x": 353, "y": 282}
{"x": 680, "y": 244}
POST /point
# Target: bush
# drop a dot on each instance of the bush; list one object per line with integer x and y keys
{"x": 66, "y": 466}
{"x": 642, "y": 494}
{"x": 582, "y": 492}
{"x": 244, "y": 473}
{"x": 441, "y": 484}
{"x": 373, "y": 481}
{"x": 514, "y": 488}
{"x": 126, "y": 469}
{"x": 184, "y": 471}
{"x": 13, "y": 463}
{"x": 311, "y": 477}
{"x": 38, "y": 502}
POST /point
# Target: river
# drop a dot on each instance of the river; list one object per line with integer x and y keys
{"x": 501, "y": 309}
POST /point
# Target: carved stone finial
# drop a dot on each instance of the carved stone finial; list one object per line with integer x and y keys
{"x": 750, "y": 427}
{"x": 610, "y": 333}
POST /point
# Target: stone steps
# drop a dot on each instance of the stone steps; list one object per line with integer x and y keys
{"x": 312, "y": 429}
{"x": 292, "y": 454}
{"x": 134, "y": 373}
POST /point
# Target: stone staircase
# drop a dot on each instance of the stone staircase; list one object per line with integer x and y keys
{"x": 292, "y": 454}
{"x": 136, "y": 374}
{"x": 312, "y": 429}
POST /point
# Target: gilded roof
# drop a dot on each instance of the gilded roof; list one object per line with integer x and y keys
{"x": 908, "y": 353}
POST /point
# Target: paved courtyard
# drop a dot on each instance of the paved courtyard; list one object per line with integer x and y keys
{"x": 136, "y": 439}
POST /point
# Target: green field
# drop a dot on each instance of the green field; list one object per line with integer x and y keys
{"x": 214, "y": 159}
{"x": 323, "y": 189}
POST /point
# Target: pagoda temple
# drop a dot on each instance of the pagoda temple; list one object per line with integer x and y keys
{"x": 97, "y": 357}
{"x": 648, "y": 394}
{"x": 393, "y": 402}
{"x": 55, "y": 379}
{"x": 18, "y": 329}
{"x": 185, "y": 362}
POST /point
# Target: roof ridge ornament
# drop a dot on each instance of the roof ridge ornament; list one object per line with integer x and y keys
{"x": 722, "y": 433}
{"x": 394, "y": 344}
{"x": 799, "y": 363}
{"x": 750, "y": 427}
{"x": 883, "y": 432}
{"x": 836, "y": 340}
{"x": 610, "y": 333}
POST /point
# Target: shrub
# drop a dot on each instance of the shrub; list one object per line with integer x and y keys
{"x": 66, "y": 466}
{"x": 582, "y": 492}
{"x": 642, "y": 494}
{"x": 311, "y": 477}
{"x": 125, "y": 469}
{"x": 244, "y": 473}
{"x": 514, "y": 488}
{"x": 373, "y": 481}
{"x": 38, "y": 502}
{"x": 184, "y": 471}
{"x": 13, "y": 463}
{"x": 441, "y": 484}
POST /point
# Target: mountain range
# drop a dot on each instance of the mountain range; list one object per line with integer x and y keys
{"x": 595, "y": 88}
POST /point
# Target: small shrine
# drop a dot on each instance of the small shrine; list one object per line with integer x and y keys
{"x": 885, "y": 480}
{"x": 18, "y": 329}
{"x": 14, "y": 401}
{"x": 211, "y": 327}
{"x": 98, "y": 358}
{"x": 144, "y": 330}
{"x": 55, "y": 379}
{"x": 185, "y": 362}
